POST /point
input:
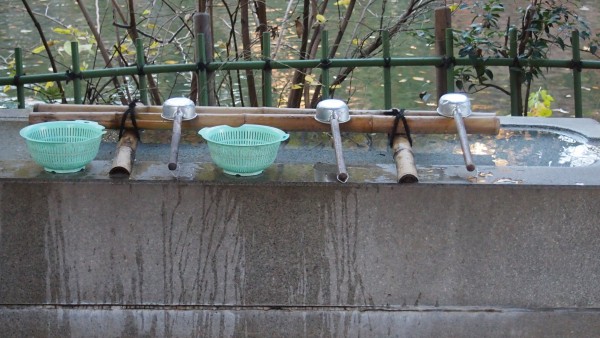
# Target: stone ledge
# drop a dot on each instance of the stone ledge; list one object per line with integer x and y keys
{"x": 118, "y": 322}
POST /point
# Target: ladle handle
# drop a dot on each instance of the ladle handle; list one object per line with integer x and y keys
{"x": 464, "y": 142}
{"x": 175, "y": 140}
{"x": 342, "y": 175}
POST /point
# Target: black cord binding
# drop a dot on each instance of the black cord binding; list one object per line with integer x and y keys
{"x": 130, "y": 112}
{"x": 399, "y": 114}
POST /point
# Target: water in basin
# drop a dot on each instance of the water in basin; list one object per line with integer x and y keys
{"x": 518, "y": 147}
{"x": 511, "y": 147}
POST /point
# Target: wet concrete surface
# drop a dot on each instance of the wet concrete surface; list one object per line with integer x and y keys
{"x": 313, "y": 163}
{"x": 278, "y": 173}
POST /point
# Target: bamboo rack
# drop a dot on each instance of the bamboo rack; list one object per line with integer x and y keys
{"x": 149, "y": 117}
{"x": 361, "y": 121}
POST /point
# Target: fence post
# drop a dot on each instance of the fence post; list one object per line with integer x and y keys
{"x": 514, "y": 74}
{"x": 76, "y": 69}
{"x": 202, "y": 26}
{"x": 387, "y": 76}
{"x": 266, "y": 73}
{"x": 325, "y": 64}
{"x": 443, "y": 21}
{"x": 18, "y": 74}
{"x": 577, "y": 74}
{"x": 139, "y": 50}
{"x": 202, "y": 73}
{"x": 449, "y": 67}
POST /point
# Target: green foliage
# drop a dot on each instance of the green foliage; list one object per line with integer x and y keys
{"x": 47, "y": 92}
{"x": 539, "y": 104}
{"x": 541, "y": 27}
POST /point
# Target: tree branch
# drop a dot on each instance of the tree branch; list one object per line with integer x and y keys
{"x": 46, "y": 47}
{"x": 100, "y": 43}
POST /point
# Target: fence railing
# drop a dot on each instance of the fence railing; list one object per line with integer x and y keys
{"x": 265, "y": 65}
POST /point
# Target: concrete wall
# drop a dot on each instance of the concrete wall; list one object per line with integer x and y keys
{"x": 125, "y": 258}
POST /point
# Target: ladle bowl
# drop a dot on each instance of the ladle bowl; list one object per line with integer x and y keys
{"x": 454, "y": 103}
{"x": 326, "y": 110}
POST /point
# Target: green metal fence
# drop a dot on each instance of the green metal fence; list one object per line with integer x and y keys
{"x": 386, "y": 62}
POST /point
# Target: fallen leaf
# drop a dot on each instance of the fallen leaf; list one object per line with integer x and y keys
{"x": 500, "y": 162}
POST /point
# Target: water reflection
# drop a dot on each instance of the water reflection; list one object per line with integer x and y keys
{"x": 543, "y": 148}
{"x": 578, "y": 155}
{"x": 518, "y": 148}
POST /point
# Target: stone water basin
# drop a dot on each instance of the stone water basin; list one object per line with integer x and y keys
{"x": 508, "y": 250}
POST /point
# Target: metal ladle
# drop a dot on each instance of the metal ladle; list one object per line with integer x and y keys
{"x": 177, "y": 109}
{"x": 334, "y": 112}
{"x": 458, "y": 106}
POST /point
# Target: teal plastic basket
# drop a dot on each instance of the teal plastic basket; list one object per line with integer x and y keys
{"x": 244, "y": 151}
{"x": 63, "y": 146}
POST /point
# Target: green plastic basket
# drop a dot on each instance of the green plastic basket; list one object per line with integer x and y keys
{"x": 63, "y": 146}
{"x": 244, "y": 151}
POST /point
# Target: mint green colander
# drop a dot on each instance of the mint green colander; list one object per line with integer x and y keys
{"x": 246, "y": 150}
{"x": 63, "y": 146}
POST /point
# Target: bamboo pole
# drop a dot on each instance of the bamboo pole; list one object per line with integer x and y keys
{"x": 577, "y": 74}
{"x": 267, "y": 74}
{"x": 514, "y": 72}
{"x": 143, "y": 83}
{"x": 443, "y": 21}
{"x": 405, "y": 160}
{"x": 325, "y": 70}
{"x": 202, "y": 26}
{"x": 449, "y": 67}
{"x": 18, "y": 73}
{"x": 387, "y": 71}
{"x": 125, "y": 155}
{"x": 288, "y": 122}
{"x": 76, "y": 66}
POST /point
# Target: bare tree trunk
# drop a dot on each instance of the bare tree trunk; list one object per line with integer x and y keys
{"x": 203, "y": 6}
{"x": 247, "y": 52}
{"x": 335, "y": 46}
{"x": 134, "y": 36}
{"x": 282, "y": 28}
{"x": 525, "y": 36}
{"x": 261, "y": 12}
{"x": 295, "y": 96}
